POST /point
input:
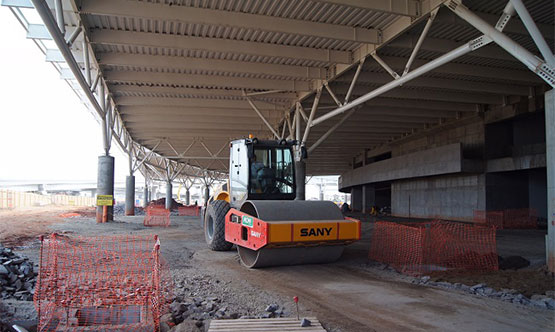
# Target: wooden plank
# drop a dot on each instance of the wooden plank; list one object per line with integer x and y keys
{"x": 264, "y": 325}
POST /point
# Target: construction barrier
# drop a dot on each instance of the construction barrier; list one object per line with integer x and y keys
{"x": 191, "y": 210}
{"x": 100, "y": 284}
{"x": 508, "y": 219}
{"x": 425, "y": 248}
{"x": 157, "y": 216}
{"x": 10, "y": 199}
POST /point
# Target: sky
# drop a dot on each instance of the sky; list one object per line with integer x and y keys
{"x": 45, "y": 130}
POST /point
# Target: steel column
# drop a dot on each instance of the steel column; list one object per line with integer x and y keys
{"x": 60, "y": 16}
{"x": 105, "y": 184}
{"x": 206, "y": 193}
{"x": 145, "y": 195}
{"x": 187, "y": 196}
{"x": 300, "y": 178}
{"x": 550, "y": 157}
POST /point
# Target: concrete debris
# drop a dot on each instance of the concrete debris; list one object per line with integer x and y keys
{"x": 546, "y": 301}
{"x": 17, "y": 276}
{"x": 202, "y": 298}
{"x": 305, "y": 322}
{"x": 119, "y": 210}
{"x": 272, "y": 308}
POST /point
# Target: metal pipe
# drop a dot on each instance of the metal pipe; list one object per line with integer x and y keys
{"x": 353, "y": 82}
{"x": 298, "y": 124}
{"x": 59, "y": 9}
{"x": 534, "y": 31}
{"x": 74, "y": 36}
{"x": 385, "y": 66}
{"x": 332, "y": 94}
{"x": 330, "y": 131}
{"x": 528, "y": 59}
{"x": 261, "y": 116}
{"x": 420, "y": 41}
{"x": 87, "y": 63}
{"x": 311, "y": 116}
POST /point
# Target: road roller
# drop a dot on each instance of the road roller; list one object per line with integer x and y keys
{"x": 256, "y": 210}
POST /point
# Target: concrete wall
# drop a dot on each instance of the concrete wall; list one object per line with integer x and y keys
{"x": 449, "y": 197}
{"x": 441, "y": 160}
{"x": 470, "y": 135}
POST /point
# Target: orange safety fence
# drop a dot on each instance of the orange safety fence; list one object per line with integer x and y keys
{"x": 190, "y": 210}
{"x": 508, "y": 219}
{"x": 114, "y": 283}
{"x": 424, "y": 248}
{"x": 157, "y": 216}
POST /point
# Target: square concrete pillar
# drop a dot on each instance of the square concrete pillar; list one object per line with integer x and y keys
{"x": 356, "y": 198}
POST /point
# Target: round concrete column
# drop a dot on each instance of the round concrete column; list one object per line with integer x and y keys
{"x": 187, "y": 197}
{"x": 206, "y": 193}
{"x": 145, "y": 196}
{"x": 169, "y": 194}
{"x": 300, "y": 172}
{"x": 105, "y": 184}
{"x": 130, "y": 195}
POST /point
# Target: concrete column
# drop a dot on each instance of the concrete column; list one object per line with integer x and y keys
{"x": 206, "y": 193}
{"x": 356, "y": 199}
{"x": 187, "y": 197}
{"x": 145, "y": 196}
{"x": 169, "y": 194}
{"x": 105, "y": 184}
{"x": 550, "y": 158}
{"x": 130, "y": 195}
{"x": 300, "y": 174}
{"x": 368, "y": 197}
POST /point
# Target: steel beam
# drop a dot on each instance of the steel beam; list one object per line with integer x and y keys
{"x": 113, "y": 37}
{"x": 204, "y": 80}
{"x": 189, "y": 15}
{"x": 160, "y": 61}
{"x": 395, "y": 7}
{"x": 193, "y": 103}
{"x": 542, "y": 69}
{"x": 261, "y": 116}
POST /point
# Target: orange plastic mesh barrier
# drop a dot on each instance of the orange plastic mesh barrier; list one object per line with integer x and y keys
{"x": 490, "y": 218}
{"x": 100, "y": 284}
{"x": 424, "y": 248}
{"x": 157, "y": 216}
{"x": 508, "y": 219}
{"x": 191, "y": 210}
{"x": 520, "y": 219}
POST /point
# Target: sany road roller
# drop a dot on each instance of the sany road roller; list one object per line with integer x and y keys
{"x": 256, "y": 210}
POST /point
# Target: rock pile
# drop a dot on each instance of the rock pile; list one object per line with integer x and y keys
{"x": 17, "y": 276}
{"x": 162, "y": 202}
{"x": 119, "y": 210}
{"x": 509, "y": 295}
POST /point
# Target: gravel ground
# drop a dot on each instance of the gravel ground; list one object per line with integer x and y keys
{"x": 350, "y": 295}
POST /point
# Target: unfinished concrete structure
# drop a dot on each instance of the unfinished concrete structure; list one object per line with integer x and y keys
{"x": 433, "y": 107}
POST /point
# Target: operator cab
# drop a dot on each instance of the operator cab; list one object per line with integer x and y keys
{"x": 261, "y": 170}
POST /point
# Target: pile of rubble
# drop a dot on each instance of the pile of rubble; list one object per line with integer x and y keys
{"x": 119, "y": 210}
{"x": 201, "y": 298}
{"x": 546, "y": 301}
{"x": 17, "y": 276}
{"x": 162, "y": 202}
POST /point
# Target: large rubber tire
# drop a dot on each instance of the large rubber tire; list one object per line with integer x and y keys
{"x": 214, "y": 226}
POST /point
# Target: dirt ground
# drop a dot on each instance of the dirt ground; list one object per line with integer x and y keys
{"x": 21, "y": 226}
{"x": 349, "y": 295}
